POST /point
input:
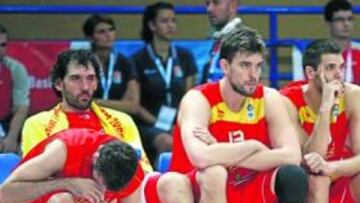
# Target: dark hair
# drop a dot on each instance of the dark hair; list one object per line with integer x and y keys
{"x": 3, "y": 30}
{"x": 150, "y": 13}
{"x": 80, "y": 56}
{"x": 334, "y": 6}
{"x": 117, "y": 164}
{"x": 316, "y": 49}
{"x": 241, "y": 39}
{"x": 91, "y": 22}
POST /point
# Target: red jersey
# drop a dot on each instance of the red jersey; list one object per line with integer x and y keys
{"x": 87, "y": 120}
{"x": 6, "y": 92}
{"x": 339, "y": 124}
{"x": 352, "y": 60}
{"x": 227, "y": 126}
{"x": 81, "y": 144}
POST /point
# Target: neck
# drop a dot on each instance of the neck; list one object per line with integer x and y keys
{"x": 233, "y": 99}
{"x": 220, "y": 27}
{"x": 69, "y": 109}
{"x": 103, "y": 55}
{"x": 344, "y": 43}
{"x": 161, "y": 47}
{"x": 312, "y": 96}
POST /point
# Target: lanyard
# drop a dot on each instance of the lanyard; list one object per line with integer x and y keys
{"x": 106, "y": 83}
{"x": 348, "y": 69}
{"x": 164, "y": 73}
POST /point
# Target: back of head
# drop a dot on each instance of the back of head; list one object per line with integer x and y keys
{"x": 80, "y": 56}
{"x": 117, "y": 164}
{"x": 241, "y": 39}
{"x": 150, "y": 13}
{"x": 334, "y": 6}
{"x": 314, "y": 51}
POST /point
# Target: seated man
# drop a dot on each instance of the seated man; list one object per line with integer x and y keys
{"x": 326, "y": 113}
{"x": 78, "y": 165}
{"x": 234, "y": 137}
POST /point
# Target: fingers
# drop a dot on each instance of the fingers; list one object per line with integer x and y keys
{"x": 204, "y": 135}
{"x": 315, "y": 162}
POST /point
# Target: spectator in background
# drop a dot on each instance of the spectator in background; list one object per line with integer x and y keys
{"x": 118, "y": 88}
{"x": 14, "y": 97}
{"x": 165, "y": 72}
{"x": 223, "y": 18}
{"x": 340, "y": 18}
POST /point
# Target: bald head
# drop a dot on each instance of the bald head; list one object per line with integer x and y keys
{"x": 221, "y": 12}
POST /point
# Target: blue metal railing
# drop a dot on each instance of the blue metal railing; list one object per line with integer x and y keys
{"x": 271, "y": 11}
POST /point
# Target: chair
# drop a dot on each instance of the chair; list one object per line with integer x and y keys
{"x": 8, "y": 161}
{"x": 164, "y": 162}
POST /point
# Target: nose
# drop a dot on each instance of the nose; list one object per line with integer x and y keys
{"x": 85, "y": 84}
{"x": 210, "y": 7}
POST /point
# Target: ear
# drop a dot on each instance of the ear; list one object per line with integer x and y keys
{"x": 310, "y": 72}
{"x": 225, "y": 65}
{"x": 151, "y": 26}
{"x": 59, "y": 85}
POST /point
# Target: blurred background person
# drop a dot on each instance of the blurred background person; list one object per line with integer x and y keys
{"x": 118, "y": 88}
{"x": 223, "y": 18}
{"x": 14, "y": 97}
{"x": 340, "y": 18}
{"x": 165, "y": 72}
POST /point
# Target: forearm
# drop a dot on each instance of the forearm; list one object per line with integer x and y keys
{"x": 146, "y": 116}
{"x": 17, "y": 122}
{"x": 30, "y": 190}
{"x": 346, "y": 167}
{"x": 267, "y": 159}
{"x": 226, "y": 154}
{"x": 319, "y": 139}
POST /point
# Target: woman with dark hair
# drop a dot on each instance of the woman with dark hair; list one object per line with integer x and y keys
{"x": 118, "y": 88}
{"x": 165, "y": 72}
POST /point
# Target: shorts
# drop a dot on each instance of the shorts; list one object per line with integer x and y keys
{"x": 256, "y": 190}
{"x": 340, "y": 191}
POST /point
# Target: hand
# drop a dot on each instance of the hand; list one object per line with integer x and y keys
{"x": 204, "y": 135}
{"x": 8, "y": 145}
{"x": 331, "y": 91}
{"x": 318, "y": 165}
{"x": 86, "y": 188}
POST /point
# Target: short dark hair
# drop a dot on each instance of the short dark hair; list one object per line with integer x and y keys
{"x": 91, "y": 22}
{"x": 241, "y": 39}
{"x": 81, "y": 56}
{"x": 117, "y": 164}
{"x": 314, "y": 51}
{"x": 150, "y": 13}
{"x": 3, "y": 30}
{"x": 334, "y": 6}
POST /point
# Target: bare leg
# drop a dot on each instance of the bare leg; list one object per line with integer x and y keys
{"x": 212, "y": 182}
{"x": 355, "y": 187}
{"x": 63, "y": 197}
{"x": 319, "y": 187}
{"x": 174, "y": 188}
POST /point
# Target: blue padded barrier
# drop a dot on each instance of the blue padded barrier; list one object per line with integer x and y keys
{"x": 8, "y": 161}
{"x": 164, "y": 162}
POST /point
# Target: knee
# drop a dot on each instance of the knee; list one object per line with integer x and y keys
{"x": 163, "y": 142}
{"x": 174, "y": 187}
{"x": 355, "y": 187}
{"x": 64, "y": 197}
{"x": 291, "y": 184}
{"x": 211, "y": 177}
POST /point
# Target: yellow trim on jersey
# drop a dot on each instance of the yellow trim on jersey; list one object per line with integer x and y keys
{"x": 306, "y": 114}
{"x": 251, "y": 113}
{"x": 115, "y": 123}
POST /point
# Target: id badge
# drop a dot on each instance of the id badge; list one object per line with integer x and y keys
{"x": 165, "y": 118}
{"x": 2, "y": 131}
